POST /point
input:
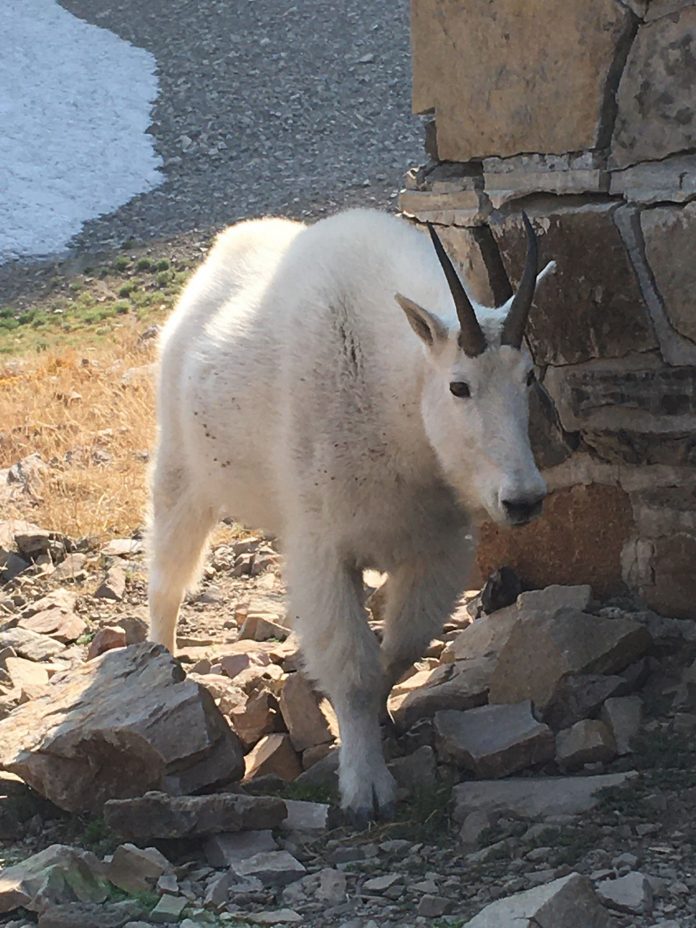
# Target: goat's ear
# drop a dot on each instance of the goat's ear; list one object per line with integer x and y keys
{"x": 426, "y": 326}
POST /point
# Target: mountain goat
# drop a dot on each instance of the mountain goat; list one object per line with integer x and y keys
{"x": 331, "y": 385}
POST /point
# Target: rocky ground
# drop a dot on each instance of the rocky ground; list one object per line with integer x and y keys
{"x": 543, "y": 752}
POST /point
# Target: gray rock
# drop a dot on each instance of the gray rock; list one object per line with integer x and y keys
{"x": 416, "y": 771}
{"x": 554, "y": 598}
{"x": 85, "y": 915}
{"x": 277, "y": 917}
{"x": 542, "y": 650}
{"x": 619, "y": 324}
{"x": 332, "y": 886}
{"x": 116, "y": 726}
{"x": 667, "y": 232}
{"x": 588, "y": 741}
{"x": 569, "y": 902}
{"x": 579, "y": 696}
{"x": 462, "y": 686}
{"x": 433, "y": 906}
{"x": 533, "y": 797}
{"x": 656, "y": 115}
{"x": 631, "y": 893}
{"x": 473, "y": 826}
{"x": 224, "y": 849}
{"x": 168, "y": 909}
{"x": 493, "y": 741}
{"x": 157, "y": 815}
{"x": 485, "y": 637}
{"x": 306, "y": 816}
{"x": 623, "y": 716}
{"x": 30, "y": 645}
{"x": 135, "y": 869}
{"x": 56, "y": 875}
{"x": 273, "y": 868}
{"x": 452, "y": 76}
{"x": 113, "y": 586}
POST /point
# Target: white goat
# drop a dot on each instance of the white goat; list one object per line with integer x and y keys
{"x": 295, "y": 396}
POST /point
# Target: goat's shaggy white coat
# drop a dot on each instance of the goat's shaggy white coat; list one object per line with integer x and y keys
{"x": 295, "y": 397}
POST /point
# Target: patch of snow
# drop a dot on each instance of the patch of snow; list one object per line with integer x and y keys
{"x": 75, "y": 104}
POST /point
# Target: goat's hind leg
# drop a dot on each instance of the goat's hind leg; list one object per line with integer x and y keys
{"x": 180, "y": 523}
{"x": 342, "y": 655}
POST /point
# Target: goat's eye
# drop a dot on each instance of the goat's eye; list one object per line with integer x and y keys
{"x": 459, "y": 388}
{"x": 531, "y": 377}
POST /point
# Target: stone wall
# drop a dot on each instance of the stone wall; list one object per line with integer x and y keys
{"x": 584, "y": 114}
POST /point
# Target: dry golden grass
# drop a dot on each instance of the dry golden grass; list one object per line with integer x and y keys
{"x": 90, "y": 416}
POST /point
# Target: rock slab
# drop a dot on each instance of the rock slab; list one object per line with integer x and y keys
{"x": 493, "y": 741}
{"x": 116, "y": 727}
{"x": 156, "y": 815}
{"x": 570, "y": 902}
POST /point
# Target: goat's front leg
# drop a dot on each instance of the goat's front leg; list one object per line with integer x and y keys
{"x": 419, "y": 597}
{"x": 341, "y": 654}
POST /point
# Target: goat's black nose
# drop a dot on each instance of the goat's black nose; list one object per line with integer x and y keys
{"x": 519, "y": 511}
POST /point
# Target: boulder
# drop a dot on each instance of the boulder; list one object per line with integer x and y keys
{"x": 493, "y": 741}
{"x": 588, "y": 741}
{"x": 570, "y": 902}
{"x": 479, "y": 107}
{"x": 542, "y": 650}
{"x": 555, "y": 597}
{"x": 580, "y": 696}
{"x": 631, "y": 893}
{"x": 135, "y": 869}
{"x": 117, "y": 726}
{"x": 656, "y": 112}
{"x": 57, "y": 874}
{"x": 534, "y": 797}
{"x": 486, "y": 636}
{"x": 668, "y": 233}
{"x": 610, "y": 319}
{"x": 579, "y": 538}
{"x": 157, "y": 815}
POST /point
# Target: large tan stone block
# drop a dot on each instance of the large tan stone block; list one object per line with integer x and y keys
{"x": 578, "y": 539}
{"x": 656, "y": 114}
{"x": 673, "y": 591}
{"x": 512, "y": 76}
{"x": 592, "y": 306}
{"x": 670, "y": 243}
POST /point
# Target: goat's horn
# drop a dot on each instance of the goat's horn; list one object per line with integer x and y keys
{"x": 471, "y": 339}
{"x": 513, "y": 327}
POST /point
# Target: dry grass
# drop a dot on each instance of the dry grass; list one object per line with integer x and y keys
{"x": 89, "y": 415}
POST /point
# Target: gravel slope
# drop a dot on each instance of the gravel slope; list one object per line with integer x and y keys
{"x": 292, "y": 107}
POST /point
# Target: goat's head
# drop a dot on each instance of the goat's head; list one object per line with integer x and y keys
{"x": 475, "y": 401}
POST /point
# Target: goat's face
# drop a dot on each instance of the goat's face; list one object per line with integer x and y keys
{"x": 476, "y": 414}
{"x": 475, "y": 400}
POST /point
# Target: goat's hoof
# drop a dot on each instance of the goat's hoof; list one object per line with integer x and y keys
{"x": 361, "y": 817}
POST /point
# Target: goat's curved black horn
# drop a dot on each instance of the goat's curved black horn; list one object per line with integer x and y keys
{"x": 472, "y": 341}
{"x": 514, "y": 325}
